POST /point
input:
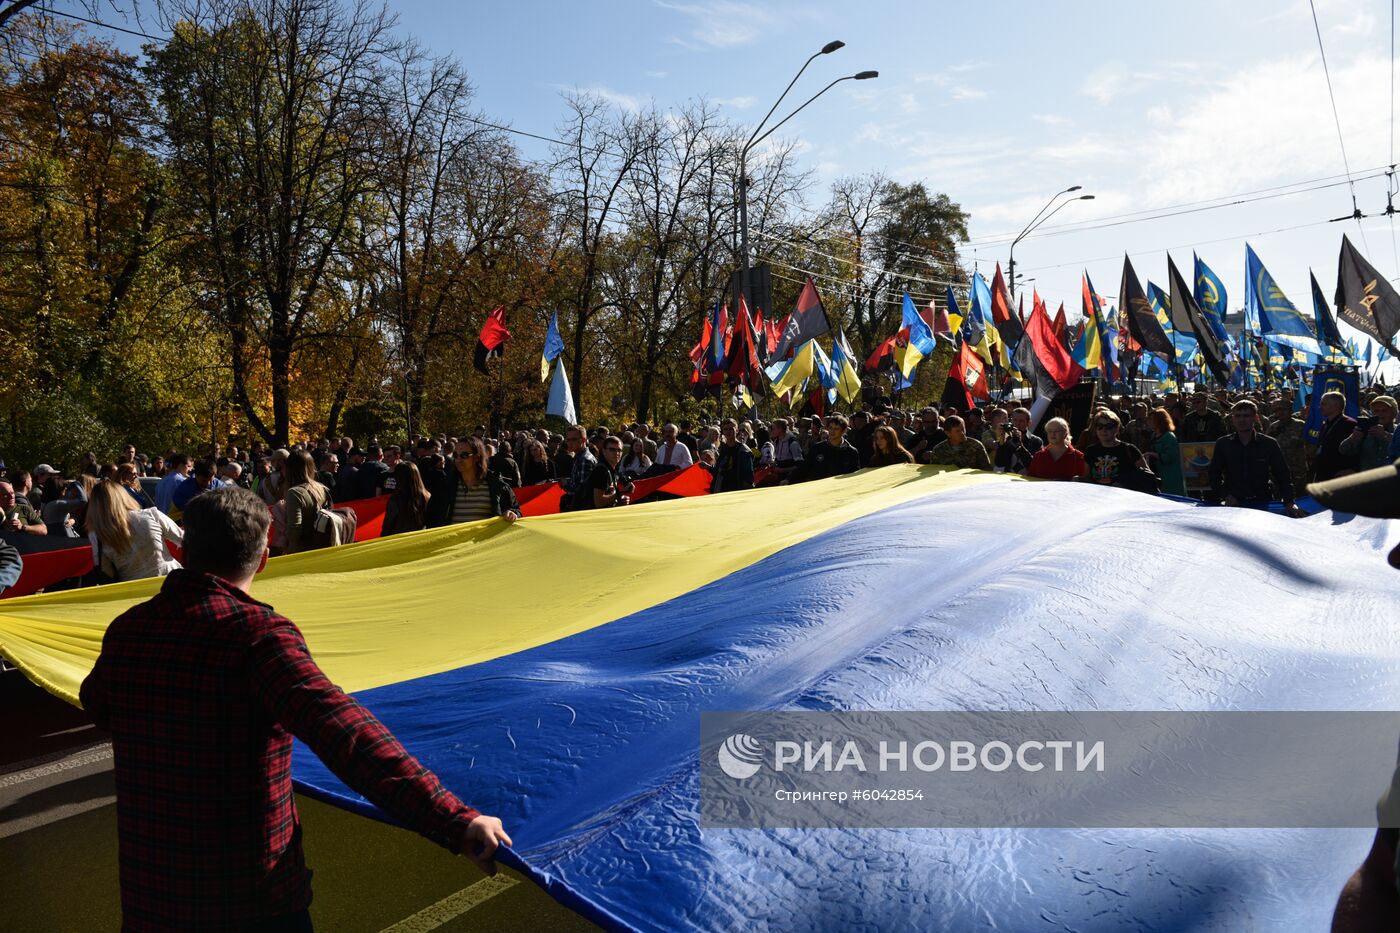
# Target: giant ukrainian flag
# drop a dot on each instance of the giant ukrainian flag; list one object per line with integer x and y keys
{"x": 553, "y": 672}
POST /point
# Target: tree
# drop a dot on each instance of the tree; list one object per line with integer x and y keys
{"x": 897, "y": 237}
{"x": 271, "y": 136}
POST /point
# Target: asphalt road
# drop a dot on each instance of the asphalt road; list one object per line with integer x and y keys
{"x": 58, "y": 846}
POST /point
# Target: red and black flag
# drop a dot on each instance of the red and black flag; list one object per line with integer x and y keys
{"x": 807, "y": 320}
{"x": 743, "y": 354}
{"x": 1143, "y": 327}
{"x": 492, "y": 341}
{"x": 967, "y": 379}
{"x": 1008, "y": 325}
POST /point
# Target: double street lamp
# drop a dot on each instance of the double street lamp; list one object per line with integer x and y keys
{"x": 755, "y": 139}
{"x": 1036, "y": 221}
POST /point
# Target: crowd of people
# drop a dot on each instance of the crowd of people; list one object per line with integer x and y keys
{"x": 129, "y": 510}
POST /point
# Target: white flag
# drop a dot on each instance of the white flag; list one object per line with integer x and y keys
{"x": 561, "y": 400}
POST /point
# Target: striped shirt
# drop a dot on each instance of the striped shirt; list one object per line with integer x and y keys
{"x": 473, "y": 503}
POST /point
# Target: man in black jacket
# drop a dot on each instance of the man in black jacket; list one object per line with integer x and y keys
{"x": 833, "y": 456}
{"x": 1246, "y": 464}
{"x": 1330, "y": 462}
{"x": 1201, "y": 423}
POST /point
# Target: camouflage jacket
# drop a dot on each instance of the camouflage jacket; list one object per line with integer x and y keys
{"x": 970, "y": 455}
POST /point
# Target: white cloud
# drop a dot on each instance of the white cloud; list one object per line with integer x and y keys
{"x": 963, "y": 92}
{"x": 721, "y": 24}
{"x": 742, "y": 102}
{"x": 1268, "y": 122}
{"x": 1083, "y": 149}
{"x": 1105, "y": 82}
{"x": 908, "y": 103}
{"x": 1113, "y": 79}
{"x": 627, "y": 102}
{"x": 1052, "y": 119}
{"x": 656, "y": 74}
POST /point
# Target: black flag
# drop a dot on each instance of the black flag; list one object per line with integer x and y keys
{"x": 1327, "y": 330}
{"x": 1365, "y": 300}
{"x": 1142, "y": 323}
{"x": 1187, "y": 317}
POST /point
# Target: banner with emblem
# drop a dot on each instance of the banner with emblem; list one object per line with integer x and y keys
{"x": 1331, "y": 379}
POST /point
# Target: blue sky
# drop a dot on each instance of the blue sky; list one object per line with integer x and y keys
{"x": 1002, "y": 104}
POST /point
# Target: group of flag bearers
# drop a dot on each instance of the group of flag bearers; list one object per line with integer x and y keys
{"x": 1170, "y": 335}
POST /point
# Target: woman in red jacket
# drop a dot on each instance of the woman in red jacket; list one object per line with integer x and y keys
{"x": 1059, "y": 459}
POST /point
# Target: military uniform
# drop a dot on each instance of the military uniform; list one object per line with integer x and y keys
{"x": 969, "y": 455}
{"x": 1296, "y": 451}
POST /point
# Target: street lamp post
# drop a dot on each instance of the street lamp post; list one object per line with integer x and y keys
{"x": 1036, "y": 221}
{"x": 755, "y": 139}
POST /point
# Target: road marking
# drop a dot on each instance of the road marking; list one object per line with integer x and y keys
{"x": 103, "y": 753}
{"x": 453, "y": 906}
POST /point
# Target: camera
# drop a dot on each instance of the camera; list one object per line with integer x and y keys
{"x": 1365, "y": 424}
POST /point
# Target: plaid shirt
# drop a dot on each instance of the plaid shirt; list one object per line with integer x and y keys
{"x": 203, "y": 688}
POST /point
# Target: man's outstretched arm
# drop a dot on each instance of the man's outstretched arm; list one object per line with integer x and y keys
{"x": 362, "y": 752}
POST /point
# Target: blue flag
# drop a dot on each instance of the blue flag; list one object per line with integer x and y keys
{"x": 1266, "y": 303}
{"x": 717, "y": 339}
{"x": 1211, "y": 297}
{"x": 1330, "y": 380}
{"x": 553, "y": 346}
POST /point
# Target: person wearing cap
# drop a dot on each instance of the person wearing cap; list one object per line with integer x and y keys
{"x": 1201, "y": 423}
{"x": 1370, "y": 899}
{"x": 1371, "y": 445}
{"x": 41, "y": 473}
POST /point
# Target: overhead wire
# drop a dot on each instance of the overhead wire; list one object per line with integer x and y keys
{"x": 1337, "y": 117}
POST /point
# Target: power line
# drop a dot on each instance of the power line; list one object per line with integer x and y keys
{"x": 368, "y": 94}
{"x": 1390, "y": 181}
{"x": 1337, "y": 117}
{"x": 817, "y": 252}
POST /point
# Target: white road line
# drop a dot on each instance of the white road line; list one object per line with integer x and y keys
{"x": 453, "y": 906}
{"x": 103, "y": 753}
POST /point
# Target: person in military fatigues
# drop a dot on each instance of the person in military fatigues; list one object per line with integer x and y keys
{"x": 1288, "y": 431}
{"x": 959, "y": 450}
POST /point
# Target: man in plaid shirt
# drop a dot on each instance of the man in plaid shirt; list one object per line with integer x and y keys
{"x": 203, "y": 687}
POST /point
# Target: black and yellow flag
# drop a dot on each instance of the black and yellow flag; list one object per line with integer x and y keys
{"x": 1365, "y": 299}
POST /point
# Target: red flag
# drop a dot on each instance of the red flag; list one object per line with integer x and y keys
{"x": 1051, "y": 353}
{"x": 940, "y": 325}
{"x": 491, "y": 342}
{"x": 697, "y": 352}
{"x": 775, "y": 332}
{"x": 1021, "y": 309}
{"x": 1001, "y": 302}
{"x": 927, "y": 314}
{"x": 967, "y": 379}
{"x": 1061, "y": 326}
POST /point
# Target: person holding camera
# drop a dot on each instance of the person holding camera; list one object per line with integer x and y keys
{"x": 1370, "y": 440}
{"x": 1018, "y": 445}
{"x": 605, "y": 486}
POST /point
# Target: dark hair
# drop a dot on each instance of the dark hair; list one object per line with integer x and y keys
{"x": 409, "y": 491}
{"x": 838, "y": 419}
{"x": 178, "y": 460}
{"x": 896, "y": 452}
{"x": 1161, "y": 420}
{"x": 204, "y": 468}
{"x": 225, "y": 532}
